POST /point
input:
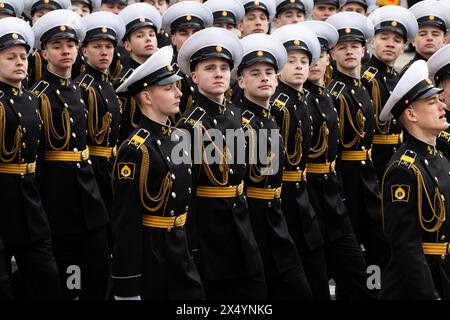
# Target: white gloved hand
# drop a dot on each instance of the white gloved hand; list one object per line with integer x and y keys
{"x": 127, "y": 298}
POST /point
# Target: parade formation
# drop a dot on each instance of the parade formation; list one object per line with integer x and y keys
{"x": 224, "y": 150}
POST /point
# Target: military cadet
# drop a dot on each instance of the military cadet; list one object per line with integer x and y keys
{"x": 142, "y": 23}
{"x": 151, "y": 259}
{"x": 85, "y": 7}
{"x": 221, "y": 236}
{"x": 114, "y": 6}
{"x": 292, "y": 11}
{"x": 11, "y": 8}
{"x": 358, "y": 6}
{"x": 103, "y": 31}
{"x": 183, "y": 20}
{"x": 258, "y": 16}
{"x": 37, "y": 8}
{"x": 356, "y": 129}
{"x": 345, "y": 262}
{"x": 227, "y": 14}
{"x": 291, "y": 111}
{"x": 23, "y": 226}
{"x": 415, "y": 192}
{"x": 394, "y": 26}
{"x": 433, "y": 23}
{"x": 323, "y": 9}
{"x": 69, "y": 191}
{"x": 439, "y": 67}
{"x": 264, "y": 55}
{"x": 163, "y": 36}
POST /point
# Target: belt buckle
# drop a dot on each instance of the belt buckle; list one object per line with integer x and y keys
{"x": 240, "y": 189}
{"x": 85, "y": 154}
{"x": 30, "y": 167}
{"x": 178, "y": 222}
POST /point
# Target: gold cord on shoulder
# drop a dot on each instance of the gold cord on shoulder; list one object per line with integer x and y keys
{"x": 97, "y": 135}
{"x": 322, "y": 142}
{"x": 344, "y": 111}
{"x": 8, "y": 155}
{"x": 49, "y": 128}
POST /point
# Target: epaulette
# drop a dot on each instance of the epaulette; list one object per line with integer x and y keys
{"x": 444, "y": 135}
{"x": 139, "y": 138}
{"x": 195, "y": 117}
{"x": 86, "y": 82}
{"x": 407, "y": 159}
{"x": 127, "y": 74}
{"x": 336, "y": 90}
{"x": 247, "y": 116}
{"x": 280, "y": 101}
{"x": 40, "y": 88}
{"x": 370, "y": 73}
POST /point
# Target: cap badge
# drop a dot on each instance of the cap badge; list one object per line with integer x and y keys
{"x": 260, "y": 54}
{"x": 224, "y": 13}
{"x": 256, "y": 3}
{"x": 431, "y": 18}
{"x": 394, "y": 23}
{"x": 142, "y": 19}
{"x": 2, "y": 5}
{"x": 348, "y": 30}
{"x": 62, "y": 28}
{"x": 104, "y": 30}
{"x": 169, "y": 68}
{"x": 188, "y": 18}
{"x": 292, "y": 1}
{"x": 219, "y": 49}
{"x": 45, "y": 1}
{"x": 297, "y": 42}
{"x": 15, "y": 36}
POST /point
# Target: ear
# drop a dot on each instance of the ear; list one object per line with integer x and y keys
{"x": 277, "y": 22}
{"x": 172, "y": 39}
{"x": 241, "y": 82}
{"x": 127, "y": 45}
{"x": 328, "y": 59}
{"x": 239, "y": 27}
{"x": 83, "y": 51}
{"x": 410, "y": 115}
{"x": 333, "y": 56}
{"x": 363, "y": 50}
{"x": 44, "y": 54}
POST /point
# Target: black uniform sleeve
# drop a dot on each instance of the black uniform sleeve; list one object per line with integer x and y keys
{"x": 127, "y": 224}
{"x": 402, "y": 226}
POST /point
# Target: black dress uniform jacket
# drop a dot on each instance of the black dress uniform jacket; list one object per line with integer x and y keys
{"x": 22, "y": 218}
{"x": 380, "y": 79}
{"x": 69, "y": 191}
{"x": 292, "y": 114}
{"x": 103, "y": 124}
{"x": 360, "y": 184}
{"x": 324, "y": 189}
{"x": 220, "y": 228}
{"x": 269, "y": 225}
{"x": 131, "y": 114}
{"x": 416, "y": 189}
{"x": 36, "y": 65}
{"x": 148, "y": 261}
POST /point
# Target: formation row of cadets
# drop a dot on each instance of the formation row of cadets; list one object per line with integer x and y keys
{"x": 352, "y": 156}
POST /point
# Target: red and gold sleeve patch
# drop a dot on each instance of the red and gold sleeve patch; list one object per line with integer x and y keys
{"x": 400, "y": 192}
{"x": 126, "y": 170}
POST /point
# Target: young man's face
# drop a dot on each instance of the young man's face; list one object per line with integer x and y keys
{"x": 295, "y": 72}
{"x": 290, "y": 16}
{"x": 142, "y": 43}
{"x": 255, "y": 21}
{"x": 354, "y": 7}
{"x": 60, "y": 53}
{"x": 388, "y": 46}
{"x": 99, "y": 54}
{"x": 164, "y": 99}
{"x": 212, "y": 76}
{"x": 38, "y": 14}
{"x": 13, "y": 64}
{"x": 181, "y": 35}
{"x": 428, "y": 114}
{"x": 348, "y": 54}
{"x": 259, "y": 81}
{"x": 428, "y": 40}
{"x": 323, "y": 11}
{"x": 113, "y": 7}
{"x": 317, "y": 71}
{"x": 160, "y": 5}
{"x": 81, "y": 8}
